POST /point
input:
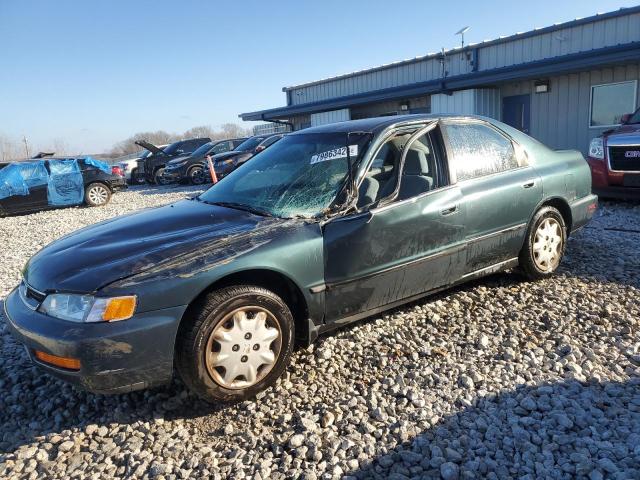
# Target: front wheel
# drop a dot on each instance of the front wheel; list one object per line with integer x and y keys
{"x": 159, "y": 178}
{"x": 196, "y": 175}
{"x": 97, "y": 195}
{"x": 545, "y": 244}
{"x": 235, "y": 343}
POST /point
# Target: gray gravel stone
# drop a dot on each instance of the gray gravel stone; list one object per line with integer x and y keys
{"x": 501, "y": 378}
{"x": 449, "y": 471}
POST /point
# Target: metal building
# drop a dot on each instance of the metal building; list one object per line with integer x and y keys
{"x": 562, "y": 84}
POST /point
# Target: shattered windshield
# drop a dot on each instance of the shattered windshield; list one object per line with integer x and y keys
{"x": 299, "y": 175}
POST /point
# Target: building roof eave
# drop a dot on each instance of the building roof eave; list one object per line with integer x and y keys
{"x": 486, "y": 43}
{"x": 540, "y": 68}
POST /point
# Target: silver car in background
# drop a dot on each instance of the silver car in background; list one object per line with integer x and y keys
{"x": 129, "y": 165}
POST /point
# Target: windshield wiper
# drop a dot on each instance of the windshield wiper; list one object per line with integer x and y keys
{"x": 242, "y": 206}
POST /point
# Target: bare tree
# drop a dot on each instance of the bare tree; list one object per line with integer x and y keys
{"x": 10, "y": 149}
{"x": 233, "y": 130}
{"x": 159, "y": 137}
{"x": 202, "y": 131}
{"x": 58, "y": 146}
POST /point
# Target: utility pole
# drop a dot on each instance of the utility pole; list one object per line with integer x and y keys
{"x": 26, "y": 146}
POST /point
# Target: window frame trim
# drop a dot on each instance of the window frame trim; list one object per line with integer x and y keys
{"x": 427, "y": 129}
{"x": 592, "y": 87}
{"x": 453, "y": 173}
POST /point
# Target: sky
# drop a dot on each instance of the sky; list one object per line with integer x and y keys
{"x": 91, "y": 73}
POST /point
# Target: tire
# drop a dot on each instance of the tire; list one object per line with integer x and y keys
{"x": 97, "y": 194}
{"x": 231, "y": 314}
{"x": 158, "y": 177}
{"x": 545, "y": 244}
{"x": 196, "y": 175}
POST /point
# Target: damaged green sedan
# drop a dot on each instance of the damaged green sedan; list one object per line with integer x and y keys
{"x": 330, "y": 225}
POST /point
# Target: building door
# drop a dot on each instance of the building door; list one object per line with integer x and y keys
{"x": 516, "y": 111}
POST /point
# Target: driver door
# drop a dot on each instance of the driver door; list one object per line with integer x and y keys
{"x": 400, "y": 246}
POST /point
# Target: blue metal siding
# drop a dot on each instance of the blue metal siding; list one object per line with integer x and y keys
{"x": 333, "y": 116}
{"x": 560, "y": 118}
{"x": 601, "y": 32}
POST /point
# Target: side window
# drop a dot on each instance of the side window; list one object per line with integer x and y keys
{"x": 189, "y": 146}
{"x": 381, "y": 179}
{"x": 270, "y": 141}
{"x": 419, "y": 172}
{"x": 219, "y": 148}
{"x": 479, "y": 150}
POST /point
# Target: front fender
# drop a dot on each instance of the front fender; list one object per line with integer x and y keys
{"x": 293, "y": 250}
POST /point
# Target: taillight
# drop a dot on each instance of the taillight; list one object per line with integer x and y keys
{"x": 116, "y": 170}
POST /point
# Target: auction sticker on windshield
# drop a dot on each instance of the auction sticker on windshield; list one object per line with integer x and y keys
{"x": 334, "y": 154}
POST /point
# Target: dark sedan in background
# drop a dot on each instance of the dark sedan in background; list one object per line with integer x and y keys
{"x": 225, "y": 163}
{"x": 330, "y": 225}
{"x": 191, "y": 168}
{"x": 34, "y": 185}
{"x": 151, "y": 168}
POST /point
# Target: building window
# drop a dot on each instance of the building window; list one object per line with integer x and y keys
{"x": 609, "y": 102}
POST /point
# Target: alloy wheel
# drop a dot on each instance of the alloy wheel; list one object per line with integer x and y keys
{"x": 243, "y": 347}
{"x": 548, "y": 244}
{"x": 98, "y": 195}
{"x": 197, "y": 175}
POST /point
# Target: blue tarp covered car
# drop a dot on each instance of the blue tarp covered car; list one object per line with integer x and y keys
{"x": 40, "y": 184}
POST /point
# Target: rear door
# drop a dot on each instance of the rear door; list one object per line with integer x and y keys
{"x": 36, "y": 177}
{"x": 499, "y": 190}
{"x": 406, "y": 242}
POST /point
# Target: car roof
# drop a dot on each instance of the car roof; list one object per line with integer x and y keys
{"x": 376, "y": 124}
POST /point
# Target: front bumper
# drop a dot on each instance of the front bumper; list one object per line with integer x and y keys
{"x": 176, "y": 175}
{"x": 611, "y": 184}
{"x": 622, "y": 193}
{"x": 114, "y": 357}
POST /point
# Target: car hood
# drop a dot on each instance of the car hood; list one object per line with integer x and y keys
{"x": 179, "y": 239}
{"x": 624, "y": 131}
{"x": 149, "y": 146}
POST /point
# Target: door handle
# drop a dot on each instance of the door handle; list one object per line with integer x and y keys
{"x": 529, "y": 184}
{"x": 449, "y": 210}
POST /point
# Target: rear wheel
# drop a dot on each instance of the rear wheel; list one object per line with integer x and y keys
{"x": 97, "y": 194}
{"x": 196, "y": 175}
{"x": 545, "y": 244}
{"x": 236, "y": 343}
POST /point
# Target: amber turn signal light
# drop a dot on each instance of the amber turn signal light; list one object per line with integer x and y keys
{"x": 63, "y": 362}
{"x": 119, "y": 308}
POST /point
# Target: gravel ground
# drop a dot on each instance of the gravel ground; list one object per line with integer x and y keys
{"x": 499, "y": 379}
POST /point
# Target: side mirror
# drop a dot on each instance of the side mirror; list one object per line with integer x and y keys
{"x": 625, "y": 118}
{"x": 259, "y": 148}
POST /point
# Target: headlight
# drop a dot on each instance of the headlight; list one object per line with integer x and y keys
{"x": 596, "y": 148}
{"x": 88, "y": 309}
